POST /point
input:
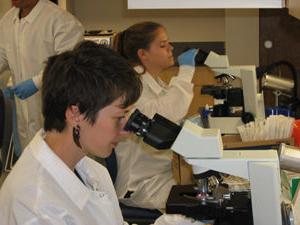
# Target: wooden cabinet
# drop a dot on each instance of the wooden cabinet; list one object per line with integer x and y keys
{"x": 294, "y": 8}
{"x": 205, "y": 4}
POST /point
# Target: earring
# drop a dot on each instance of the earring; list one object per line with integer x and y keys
{"x": 76, "y": 135}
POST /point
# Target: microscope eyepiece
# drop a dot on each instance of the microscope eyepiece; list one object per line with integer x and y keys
{"x": 158, "y": 132}
{"x": 138, "y": 123}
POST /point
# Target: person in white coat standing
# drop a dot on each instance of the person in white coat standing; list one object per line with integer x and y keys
{"x": 144, "y": 177}
{"x": 30, "y": 32}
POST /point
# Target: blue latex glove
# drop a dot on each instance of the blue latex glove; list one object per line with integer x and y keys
{"x": 25, "y": 89}
{"x": 187, "y": 57}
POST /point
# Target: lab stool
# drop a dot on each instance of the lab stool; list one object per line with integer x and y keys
{"x": 132, "y": 215}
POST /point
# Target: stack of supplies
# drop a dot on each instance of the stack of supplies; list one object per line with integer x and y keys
{"x": 273, "y": 127}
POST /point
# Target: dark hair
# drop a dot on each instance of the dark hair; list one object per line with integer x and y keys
{"x": 86, "y": 44}
{"x": 138, "y": 36}
{"x": 90, "y": 77}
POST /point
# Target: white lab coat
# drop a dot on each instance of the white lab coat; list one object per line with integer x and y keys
{"x": 25, "y": 45}
{"x": 41, "y": 189}
{"x": 141, "y": 168}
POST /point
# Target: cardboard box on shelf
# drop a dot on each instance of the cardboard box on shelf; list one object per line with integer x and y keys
{"x": 182, "y": 171}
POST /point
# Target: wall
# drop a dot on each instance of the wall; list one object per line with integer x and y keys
{"x": 242, "y": 36}
{"x": 238, "y": 28}
{"x": 4, "y": 6}
{"x": 182, "y": 25}
{"x": 294, "y": 8}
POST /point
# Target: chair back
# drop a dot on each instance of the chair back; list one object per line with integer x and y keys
{"x": 6, "y": 124}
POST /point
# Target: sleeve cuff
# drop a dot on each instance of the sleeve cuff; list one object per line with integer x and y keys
{"x": 37, "y": 80}
{"x": 186, "y": 73}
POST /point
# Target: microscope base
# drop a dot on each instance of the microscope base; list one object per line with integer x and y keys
{"x": 233, "y": 211}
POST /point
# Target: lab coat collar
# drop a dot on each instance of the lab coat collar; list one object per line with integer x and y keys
{"x": 16, "y": 15}
{"x": 60, "y": 172}
{"x": 156, "y": 86}
{"x": 33, "y": 14}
